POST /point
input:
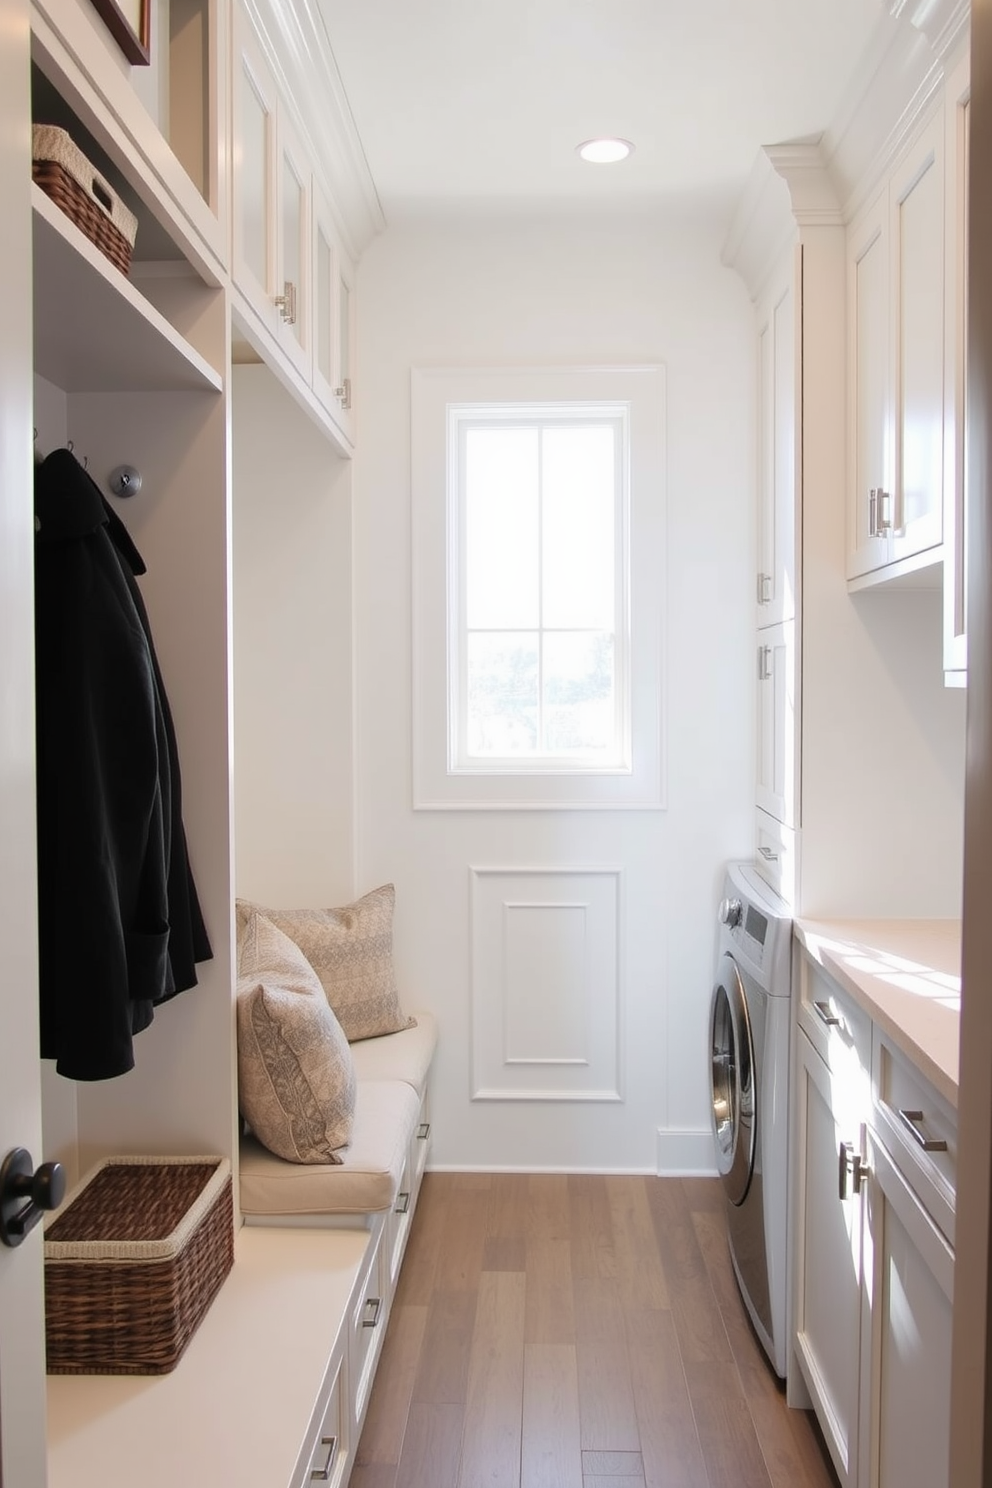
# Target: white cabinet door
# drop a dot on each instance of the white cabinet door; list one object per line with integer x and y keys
{"x": 292, "y": 298}
{"x": 272, "y": 247}
{"x": 917, "y": 262}
{"x": 828, "y": 1257}
{"x": 778, "y": 381}
{"x": 957, "y": 95}
{"x": 870, "y": 477}
{"x": 909, "y": 1398}
{"x": 255, "y": 104}
{"x": 331, "y": 318}
{"x": 775, "y": 788}
{"x": 896, "y": 366}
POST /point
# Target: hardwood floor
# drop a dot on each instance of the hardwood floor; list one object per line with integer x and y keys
{"x": 576, "y": 1332}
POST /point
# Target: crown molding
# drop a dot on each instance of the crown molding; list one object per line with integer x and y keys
{"x": 901, "y": 73}
{"x": 789, "y": 189}
{"x": 297, "y": 48}
{"x": 942, "y": 22}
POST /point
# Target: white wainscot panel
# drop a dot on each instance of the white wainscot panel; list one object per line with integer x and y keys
{"x": 546, "y": 984}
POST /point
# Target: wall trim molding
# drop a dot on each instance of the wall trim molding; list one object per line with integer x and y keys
{"x": 587, "y": 1064}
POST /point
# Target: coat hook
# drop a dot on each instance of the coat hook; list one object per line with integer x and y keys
{"x": 70, "y": 446}
{"x": 124, "y": 481}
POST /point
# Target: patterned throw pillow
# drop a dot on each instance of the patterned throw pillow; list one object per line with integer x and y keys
{"x": 351, "y": 950}
{"x": 296, "y": 1077}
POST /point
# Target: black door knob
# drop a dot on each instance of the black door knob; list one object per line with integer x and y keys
{"x": 25, "y": 1193}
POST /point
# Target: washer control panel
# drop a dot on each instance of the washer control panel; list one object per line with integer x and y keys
{"x": 757, "y": 931}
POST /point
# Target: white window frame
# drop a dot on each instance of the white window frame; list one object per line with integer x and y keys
{"x": 637, "y": 780}
{"x": 466, "y": 416}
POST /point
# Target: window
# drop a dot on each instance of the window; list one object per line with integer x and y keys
{"x": 538, "y": 509}
{"x": 537, "y": 678}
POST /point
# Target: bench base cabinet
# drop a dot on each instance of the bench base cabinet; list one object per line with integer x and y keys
{"x": 874, "y": 1185}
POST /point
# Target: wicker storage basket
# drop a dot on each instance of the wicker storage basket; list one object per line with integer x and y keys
{"x": 133, "y": 1261}
{"x": 62, "y": 171}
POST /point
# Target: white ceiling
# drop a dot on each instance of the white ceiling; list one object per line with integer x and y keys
{"x": 479, "y": 104}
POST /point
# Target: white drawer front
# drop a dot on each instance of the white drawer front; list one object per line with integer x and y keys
{"x": 919, "y": 1130}
{"x": 325, "y": 1459}
{"x": 838, "y": 1029}
{"x": 775, "y": 854}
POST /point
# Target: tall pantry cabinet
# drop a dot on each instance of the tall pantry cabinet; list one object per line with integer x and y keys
{"x": 136, "y": 371}
{"x": 787, "y": 244}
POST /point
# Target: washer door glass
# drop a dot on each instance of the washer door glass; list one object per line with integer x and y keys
{"x": 732, "y": 1066}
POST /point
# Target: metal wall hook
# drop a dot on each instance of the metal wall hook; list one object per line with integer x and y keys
{"x": 124, "y": 481}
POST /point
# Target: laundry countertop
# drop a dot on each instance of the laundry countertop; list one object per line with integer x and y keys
{"x": 906, "y": 974}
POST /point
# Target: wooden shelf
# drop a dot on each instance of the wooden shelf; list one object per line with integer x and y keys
{"x": 93, "y": 330}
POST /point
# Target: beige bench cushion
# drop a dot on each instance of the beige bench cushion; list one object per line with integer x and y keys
{"x": 366, "y": 1179}
{"x": 399, "y": 1056}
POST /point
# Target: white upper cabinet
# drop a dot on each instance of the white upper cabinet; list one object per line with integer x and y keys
{"x": 918, "y": 304}
{"x": 896, "y": 367}
{"x": 293, "y": 284}
{"x": 870, "y": 444}
{"x": 332, "y": 319}
{"x": 956, "y": 126}
{"x": 255, "y": 104}
{"x": 292, "y": 276}
{"x": 778, "y": 421}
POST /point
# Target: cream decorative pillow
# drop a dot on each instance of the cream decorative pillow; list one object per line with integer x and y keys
{"x": 351, "y": 950}
{"x": 296, "y": 1077}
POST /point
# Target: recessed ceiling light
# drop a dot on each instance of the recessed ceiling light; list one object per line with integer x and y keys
{"x": 605, "y": 151}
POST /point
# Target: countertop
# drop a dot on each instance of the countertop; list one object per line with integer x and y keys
{"x": 906, "y": 974}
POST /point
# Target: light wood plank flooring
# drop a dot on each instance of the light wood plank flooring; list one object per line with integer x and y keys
{"x": 576, "y": 1332}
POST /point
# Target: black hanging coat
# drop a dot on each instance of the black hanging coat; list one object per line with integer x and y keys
{"x": 104, "y": 788}
{"x": 188, "y": 942}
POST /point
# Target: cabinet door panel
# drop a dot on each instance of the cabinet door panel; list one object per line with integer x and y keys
{"x": 828, "y": 1294}
{"x": 912, "y": 1310}
{"x": 918, "y": 269}
{"x": 775, "y": 789}
{"x": 868, "y": 281}
{"x": 294, "y": 247}
{"x": 254, "y": 174}
{"x": 777, "y": 374}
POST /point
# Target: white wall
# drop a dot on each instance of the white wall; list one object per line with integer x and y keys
{"x": 517, "y": 293}
{"x": 292, "y": 652}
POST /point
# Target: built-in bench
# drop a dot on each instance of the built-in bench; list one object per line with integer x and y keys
{"x": 382, "y": 1165}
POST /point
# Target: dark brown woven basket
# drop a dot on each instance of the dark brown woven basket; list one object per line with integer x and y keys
{"x": 63, "y": 172}
{"x": 56, "y": 182}
{"x": 133, "y": 1262}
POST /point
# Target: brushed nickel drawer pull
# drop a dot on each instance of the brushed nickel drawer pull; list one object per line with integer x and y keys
{"x": 826, "y": 1014}
{"x": 912, "y": 1120}
{"x": 851, "y": 1162}
{"x": 402, "y": 1203}
{"x": 768, "y": 854}
{"x": 423, "y": 1131}
{"x": 846, "y": 1158}
{"x": 372, "y": 1306}
{"x": 323, "y": 1474}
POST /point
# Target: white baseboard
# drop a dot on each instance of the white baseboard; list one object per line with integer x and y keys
{"x": 433, "y": 1167}
{"x": 686, "y": 1154}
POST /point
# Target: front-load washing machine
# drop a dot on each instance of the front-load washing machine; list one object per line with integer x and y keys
{"x": 749, "y": 1044}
